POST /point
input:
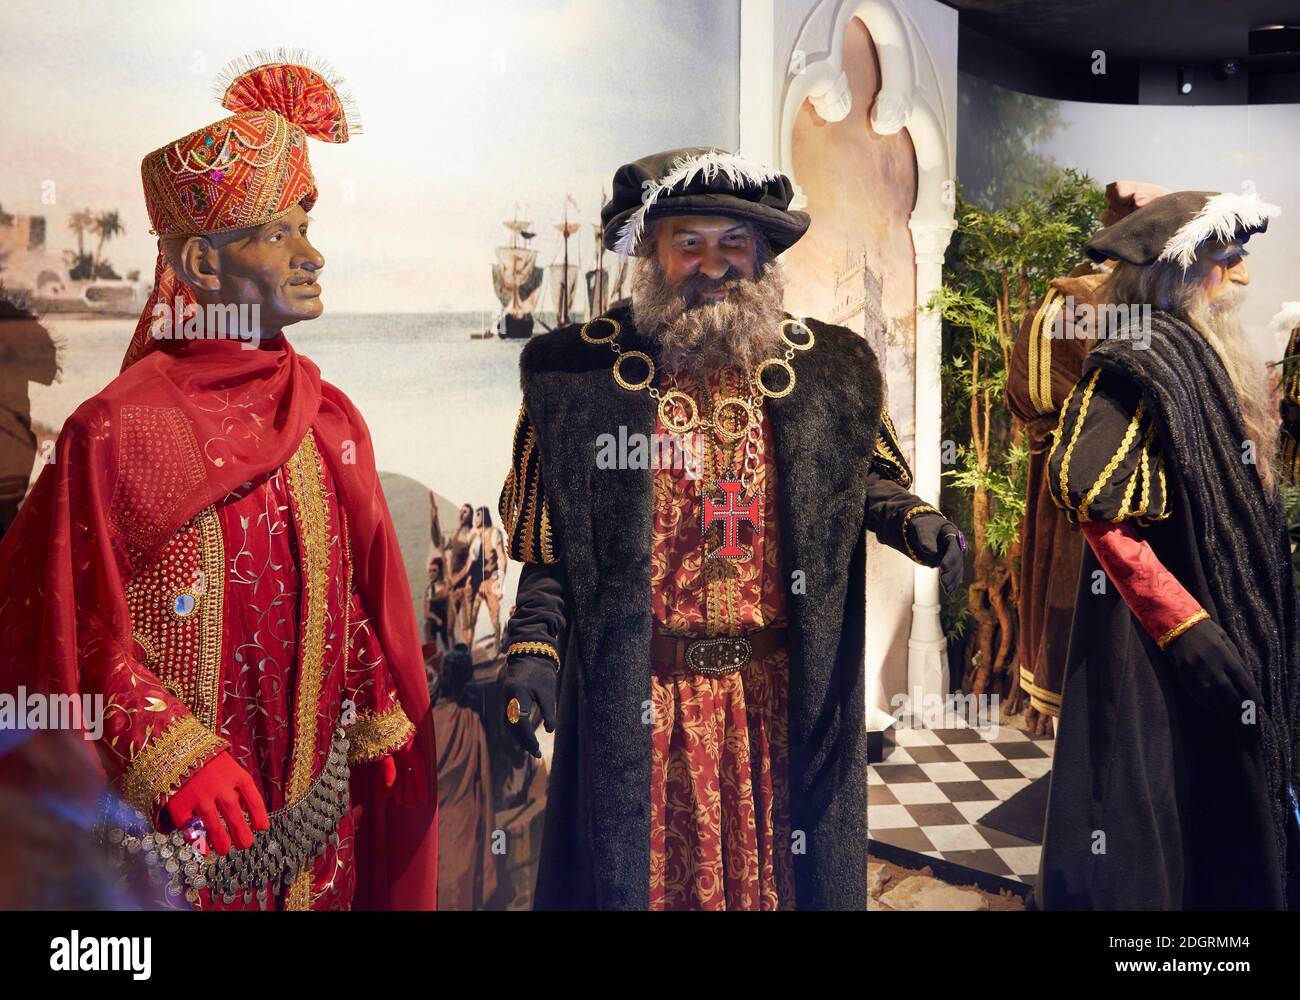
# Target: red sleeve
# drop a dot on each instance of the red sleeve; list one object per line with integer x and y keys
{"x": 1158, "y": 601}
{"x": 381, "y": 724}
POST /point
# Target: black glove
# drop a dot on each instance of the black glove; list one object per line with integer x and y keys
{"x": 940, "y": 543}
{"x": 533, "y": 680}
{"x": 1208, "y": 666}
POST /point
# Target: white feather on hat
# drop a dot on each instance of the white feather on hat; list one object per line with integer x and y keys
{"x": 683, "y": 171}
{"x": 1221, "y": 217}
{"x": 1286, "y": 320}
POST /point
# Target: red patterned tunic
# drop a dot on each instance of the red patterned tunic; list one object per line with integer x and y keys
{"x": 720, "y": 825}
{"x": 257, "y": 644}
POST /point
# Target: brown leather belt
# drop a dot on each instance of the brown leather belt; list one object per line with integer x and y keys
{"x": 716, "y": 655}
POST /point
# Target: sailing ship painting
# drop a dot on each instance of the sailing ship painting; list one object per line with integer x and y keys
{"x": 564, "y": 276}
{"x": 602, "y": 292}
{"x": 517, "y": 279}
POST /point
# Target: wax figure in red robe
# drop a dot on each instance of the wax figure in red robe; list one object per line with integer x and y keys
{"x": 212, "y": 553}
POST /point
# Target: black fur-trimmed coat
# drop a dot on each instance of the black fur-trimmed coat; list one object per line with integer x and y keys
{"x": 585, "y": 534}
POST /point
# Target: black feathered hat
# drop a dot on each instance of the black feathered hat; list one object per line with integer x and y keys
{"x": 1173, "y": 227}
{"x": 699, "y": 180}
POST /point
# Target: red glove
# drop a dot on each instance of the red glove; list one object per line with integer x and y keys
{"x": 221, "y": 790}
{"x": 406, "y": 764}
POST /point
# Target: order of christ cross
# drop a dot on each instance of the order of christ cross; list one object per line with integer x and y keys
{"x": 732, "y": 508}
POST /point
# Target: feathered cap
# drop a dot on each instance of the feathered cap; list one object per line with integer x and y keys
{"x": 252, "y": 167}
{"x": 245, "y": 170}
{"x": 1173, "y": 227}
{"x": 699, "y": 181}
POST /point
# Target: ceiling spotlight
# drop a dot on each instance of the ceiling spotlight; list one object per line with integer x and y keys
{"x": 1184, "y": 80}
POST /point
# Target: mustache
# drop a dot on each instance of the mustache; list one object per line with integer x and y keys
{"x": 691, "y": 288}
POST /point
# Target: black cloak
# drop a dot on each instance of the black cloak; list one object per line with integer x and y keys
{"x": 586, "y": 534}
{"x": 1194, "y": 811}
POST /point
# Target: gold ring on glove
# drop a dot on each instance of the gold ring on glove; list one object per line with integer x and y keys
{"x": 513, "y": 715}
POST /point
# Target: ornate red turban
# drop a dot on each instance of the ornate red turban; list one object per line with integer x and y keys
{"x": 242, "y": 171}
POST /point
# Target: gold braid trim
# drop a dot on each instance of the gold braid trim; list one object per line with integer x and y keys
{"x": 539, "y": 648}
{"x": 522, "y": 504}
{"x": 888, "y": 455}
{"x": 377, "y": 734}
{"x": 165, "y": 759}
{"x": 1181, "y": 627}
{"x": 1047, "y": 702}
{"x": 207, "y": 687}
{"x": 1040, "y": 352}
{"x": 1126, "y": 442}
{"x": 1064, "y": 499}
{"x": 312, "y": 515}
{"x": 911, "y": 513}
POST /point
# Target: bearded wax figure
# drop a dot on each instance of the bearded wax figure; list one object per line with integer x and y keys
{"x": 1171, "y": 783}
{"x": 711, "y": 745}
{"x": 211, "y": 552}
{"x": 1046, "y": 360}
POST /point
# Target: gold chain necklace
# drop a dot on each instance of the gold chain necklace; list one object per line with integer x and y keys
{"x": 680, "y": 414}
{"x": 678, "y": 411}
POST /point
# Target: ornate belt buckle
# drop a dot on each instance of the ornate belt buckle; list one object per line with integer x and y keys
{"x": 720, "y": 656}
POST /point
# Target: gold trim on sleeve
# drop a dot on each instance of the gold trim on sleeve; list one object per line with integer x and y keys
{"x": 888, "y": 454}
{"x": 1182, "y": 627}
{"x": 1064, "y": 499}
{"x": 921, "y": 508}
{"x": 522, "y": 504}
{"x": 1126, "y": 443}
{"x": 538, "y": 648}
{"x": 165, "y": 759}
{"x": 377, "y": 734}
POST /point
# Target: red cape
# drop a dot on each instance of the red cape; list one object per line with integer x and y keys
{"x": 64, "y": 563}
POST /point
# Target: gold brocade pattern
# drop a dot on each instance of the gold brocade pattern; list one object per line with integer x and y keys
{"x": 376, "y": 735}
{"x": 719, "y": 790}
{"x": 694, "y": 595}
{"x": 176, "y": 614}
{"x": 308, "y": 490}
{"x": 166, "y": 758}
{"x": 299, "y": 895}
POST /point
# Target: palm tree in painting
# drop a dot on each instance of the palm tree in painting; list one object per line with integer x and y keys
{"x": 79, "y": 266}
{"x": 107, "y": 225}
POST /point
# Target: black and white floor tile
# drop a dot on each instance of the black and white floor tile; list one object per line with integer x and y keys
{"x": 930, "y": 792}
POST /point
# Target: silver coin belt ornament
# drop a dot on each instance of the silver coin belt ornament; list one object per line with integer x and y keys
{"x": 680, "y": 415}
{"x": 297, "y": 836}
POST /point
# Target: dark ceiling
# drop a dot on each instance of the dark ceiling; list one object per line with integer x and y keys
{"x": 1055, "y": 40}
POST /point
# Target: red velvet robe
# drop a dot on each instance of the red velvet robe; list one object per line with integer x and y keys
{"x": 211, "y": 552}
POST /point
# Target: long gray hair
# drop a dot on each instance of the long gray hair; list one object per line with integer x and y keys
{"x": 1167, "y": 287}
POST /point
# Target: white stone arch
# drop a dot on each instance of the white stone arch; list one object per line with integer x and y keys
{"x": 912, "y": 97}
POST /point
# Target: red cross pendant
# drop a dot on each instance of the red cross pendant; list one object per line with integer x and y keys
{"x": 732, "y": 508}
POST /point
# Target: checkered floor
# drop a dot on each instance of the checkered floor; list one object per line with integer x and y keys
{"x": 929, "y": 794}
